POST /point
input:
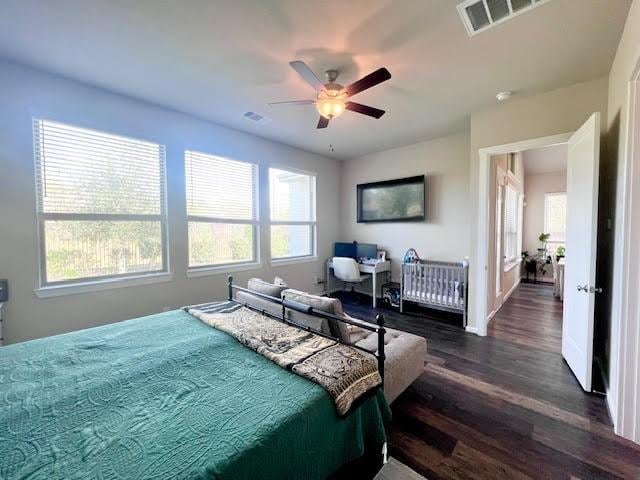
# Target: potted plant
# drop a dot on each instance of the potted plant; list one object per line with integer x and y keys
{"x": 537, "y": 263}
{"x": 560, "y": 251}
{"x": 530, "y": 265}
{"x": 543, "y": 238}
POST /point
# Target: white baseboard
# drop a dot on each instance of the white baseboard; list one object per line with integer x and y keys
{"x": 511, "y": 290}
{"x": 612, "y": 407}
{"x": 471, "y": 329}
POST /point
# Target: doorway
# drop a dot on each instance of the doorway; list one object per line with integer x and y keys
{"x": 501, "y": 166}
{"x": 528, "y": 219}
{"x": 583, "y": 148}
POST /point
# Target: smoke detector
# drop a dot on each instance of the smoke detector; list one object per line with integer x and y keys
{"x": 502, "y": 96}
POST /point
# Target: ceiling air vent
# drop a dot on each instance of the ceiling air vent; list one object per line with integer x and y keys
{"x": 256, "y": 117}
{"x": 480, "y": 15}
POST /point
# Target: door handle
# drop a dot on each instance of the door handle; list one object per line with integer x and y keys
{"x": 583, "y": 288}
{"x": 595, "y": 289}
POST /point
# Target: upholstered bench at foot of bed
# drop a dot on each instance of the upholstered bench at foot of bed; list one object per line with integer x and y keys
{"x": 405, "y": 357}
{"x": 405, "y": 353}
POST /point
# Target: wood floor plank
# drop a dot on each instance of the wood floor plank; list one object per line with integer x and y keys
{"x": 501, "y": 406}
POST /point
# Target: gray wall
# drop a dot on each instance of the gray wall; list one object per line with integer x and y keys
{"x": 444, "y": 234}
{"x": 27, "y": 93}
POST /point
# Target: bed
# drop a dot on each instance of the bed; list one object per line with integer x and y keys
{"x": 167, "y": 396}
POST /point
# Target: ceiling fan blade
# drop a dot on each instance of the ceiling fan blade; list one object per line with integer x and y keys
{"x": 371, "y": 80}
{"x": 307, "y": 74}
{"x": 364, "y": 109}
{"x": 294, "y": 102}
{"x": 323, "y": 122}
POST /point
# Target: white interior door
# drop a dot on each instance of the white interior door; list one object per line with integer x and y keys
{"x": 580, "y": 268}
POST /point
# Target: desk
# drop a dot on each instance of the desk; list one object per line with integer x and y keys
{"x": 373, "y": 269}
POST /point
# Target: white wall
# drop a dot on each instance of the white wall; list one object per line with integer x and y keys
{"x": 444, "y": 235}
{"x": 25, "y": 93}
{"x": 536, "y": 186}
{"x": 622, "y": 330}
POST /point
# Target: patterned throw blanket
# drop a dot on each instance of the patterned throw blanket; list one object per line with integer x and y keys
{"x": 340, "y": 369}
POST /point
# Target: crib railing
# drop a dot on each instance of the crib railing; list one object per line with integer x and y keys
{"x": 436, "y": 284}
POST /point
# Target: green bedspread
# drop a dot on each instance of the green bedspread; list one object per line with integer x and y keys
{"x": 167, "y": 396}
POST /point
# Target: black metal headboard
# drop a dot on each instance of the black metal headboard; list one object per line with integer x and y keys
{"x": 307, "y": 309}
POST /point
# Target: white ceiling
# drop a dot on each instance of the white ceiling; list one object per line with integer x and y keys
{"x": 550, "y": 159}
{"x": 219, "y": 59}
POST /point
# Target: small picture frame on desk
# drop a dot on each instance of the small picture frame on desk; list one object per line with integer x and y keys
{"x": 381, "y": 255}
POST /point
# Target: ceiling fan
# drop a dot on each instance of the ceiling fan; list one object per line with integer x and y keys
{"x": 332, "y": 98}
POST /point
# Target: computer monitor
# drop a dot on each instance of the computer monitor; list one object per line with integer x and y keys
{"x": 367, "y": 250}
{"x": 343, "y": 249}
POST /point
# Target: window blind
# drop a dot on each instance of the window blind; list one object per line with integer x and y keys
{"x": 555, "y": 217}
{"x": 222, "y": 210}
{"x": 293, "y": 215}
{"x": 292, "y": 196}
{"x": 511, "y": 223}
{"x": 220, "y": 188}
{"x": 81, "y": 171}
{"x": 100, "y": 203}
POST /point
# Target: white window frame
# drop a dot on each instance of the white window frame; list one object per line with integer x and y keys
{"x": 510, "y": 261}
{"x": 86, "y": 284}
{"x": 546, "y": 225}
{"x": 313, "y": 255}
{"x": 204, "y": 270}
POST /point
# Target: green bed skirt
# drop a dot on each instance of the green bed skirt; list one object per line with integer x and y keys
{"x": 166, "y": 396}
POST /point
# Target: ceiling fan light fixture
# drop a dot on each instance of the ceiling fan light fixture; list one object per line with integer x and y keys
{"x": 331, "y": 103}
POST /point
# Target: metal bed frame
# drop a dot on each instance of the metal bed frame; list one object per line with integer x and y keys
{"x": 306, "y": 309}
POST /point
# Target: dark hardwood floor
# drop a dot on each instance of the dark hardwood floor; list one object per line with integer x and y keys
{"x": 501, "y": 406}
{"x": 531, "y": 317}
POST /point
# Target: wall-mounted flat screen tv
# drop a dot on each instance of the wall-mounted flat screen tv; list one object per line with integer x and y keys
{"x": 399, "y": 200}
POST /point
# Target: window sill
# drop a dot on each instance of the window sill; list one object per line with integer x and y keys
{"x": 293, "y": 260}
{"x": 511, "y": 265}
{"x": 222, "y": 269}
{"x": 107, "y": 284}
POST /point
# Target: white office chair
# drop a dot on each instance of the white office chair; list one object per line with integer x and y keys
{"x": 346, "y": 269}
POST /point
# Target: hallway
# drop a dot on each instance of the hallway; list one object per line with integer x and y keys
{"x": 531, "y": 317}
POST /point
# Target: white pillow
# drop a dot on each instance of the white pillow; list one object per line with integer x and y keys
{"x": 260, "y": 286}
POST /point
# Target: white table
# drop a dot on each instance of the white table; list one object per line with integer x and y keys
{"x": 560, "y": 286}
{"x": 373, "y": 269}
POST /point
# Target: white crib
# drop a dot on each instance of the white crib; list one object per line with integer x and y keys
{"x": 440, "y": 285}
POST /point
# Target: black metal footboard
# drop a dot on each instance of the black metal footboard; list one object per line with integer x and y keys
{"x": 304, "y": 308}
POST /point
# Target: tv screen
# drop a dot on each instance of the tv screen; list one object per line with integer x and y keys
{"x": 397, "y": 200}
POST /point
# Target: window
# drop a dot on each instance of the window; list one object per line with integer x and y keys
{"x": 512, "y": 236}
{"x": 293, "y": 214}
{"x": 222, "y": 210}
{"x": 100, "y": 204}
{"x": 555, "y": 220}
